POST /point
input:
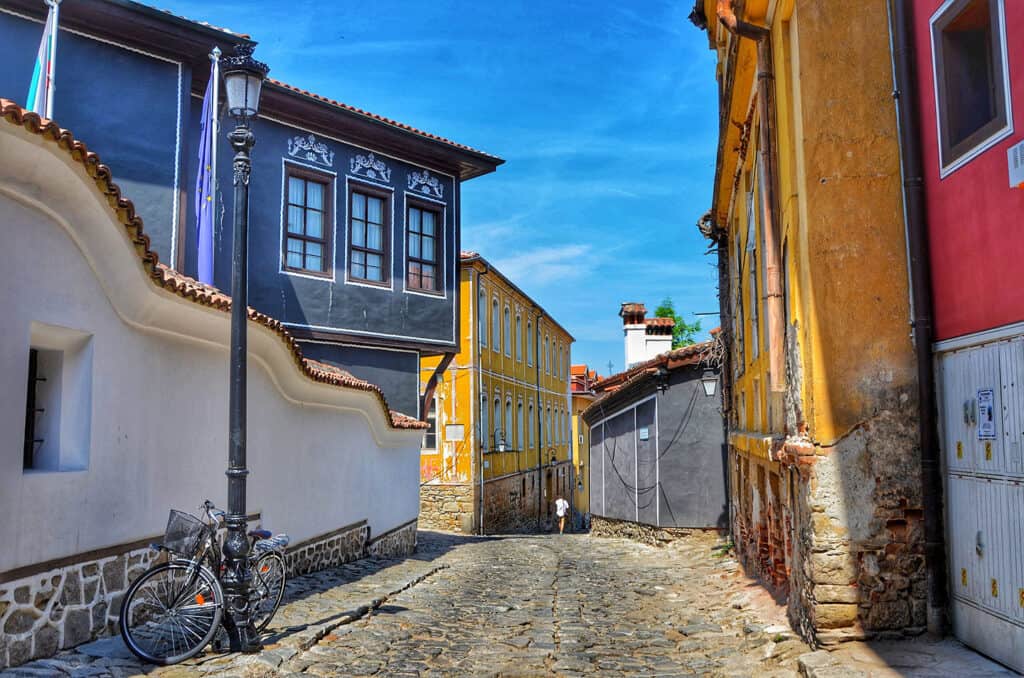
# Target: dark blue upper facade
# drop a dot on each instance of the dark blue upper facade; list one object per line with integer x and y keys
{"x": 130, "y": 82}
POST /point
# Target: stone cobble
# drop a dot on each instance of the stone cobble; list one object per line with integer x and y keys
{"x": 545, "y": 605}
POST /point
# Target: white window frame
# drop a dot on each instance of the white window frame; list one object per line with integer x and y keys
{"x": 998, "y": 135}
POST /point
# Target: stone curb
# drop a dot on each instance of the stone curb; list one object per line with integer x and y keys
{"x": 821, "y": 664}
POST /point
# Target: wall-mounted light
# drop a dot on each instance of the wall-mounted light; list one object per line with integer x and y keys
{"x": 709, "y": 380}
{"x": 661, "y": 376}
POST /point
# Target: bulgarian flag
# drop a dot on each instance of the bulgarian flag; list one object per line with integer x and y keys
{"x": 40, "y": 91}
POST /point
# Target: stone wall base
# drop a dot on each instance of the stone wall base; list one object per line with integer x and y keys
{"x": 646, "y": 534}
{"x": 59, "y": 608}
{"x": 448, "y": 506}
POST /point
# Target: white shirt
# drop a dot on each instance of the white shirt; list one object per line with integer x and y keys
{"x": 561, "y": 506}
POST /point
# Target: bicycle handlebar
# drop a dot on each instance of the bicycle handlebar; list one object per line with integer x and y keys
{"x": 212, "y": 512}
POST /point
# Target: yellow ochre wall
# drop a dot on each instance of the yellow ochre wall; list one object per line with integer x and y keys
{"x": 514, "y": 376}
{"x": 581, "y": 451}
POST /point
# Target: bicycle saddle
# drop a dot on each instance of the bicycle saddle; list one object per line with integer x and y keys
{"x": 260, "y": 534}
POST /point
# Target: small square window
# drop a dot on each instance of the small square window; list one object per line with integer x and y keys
{"x": 970, "y": 78}
{"x": 309, "y": 223}
{"x": 58, "y": 400}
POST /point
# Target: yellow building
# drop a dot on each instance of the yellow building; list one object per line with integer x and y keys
{"x": 820, "y": 383}
{"x": 582, "y": 392}
{"x": 498, "y": 451}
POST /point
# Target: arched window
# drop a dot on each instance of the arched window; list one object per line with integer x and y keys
{"x": 495, "y": 325}
{"x": 529, "y": 342}
{"x": 508, "y": 331}
{"x": 546, "y": 356}
{"x": 496, "y": 426}
{"x": 519, "y": 338}
{"x": 481, "y": 321}
{"x": 520, "y": 427}
{"x": 484, "y": 426}
{"x": 509, "y": 423}
{"x": 533, "y": 427}
{"x": 547, "y": 427}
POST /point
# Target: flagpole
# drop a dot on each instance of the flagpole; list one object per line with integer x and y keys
{"x": 52, "y": 65}
{"x": 215, "y": 58}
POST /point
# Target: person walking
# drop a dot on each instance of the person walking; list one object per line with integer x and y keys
{"x": 561, "y": 507}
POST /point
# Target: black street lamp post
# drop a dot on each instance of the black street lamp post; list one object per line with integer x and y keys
{"x": 243, "y": 79}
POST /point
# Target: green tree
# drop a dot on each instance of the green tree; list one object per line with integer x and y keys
{"x": 683, "y": 334}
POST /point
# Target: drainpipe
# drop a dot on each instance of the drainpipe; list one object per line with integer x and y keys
{"x": 769, "y": 192}
{"x": 476, "y": 396}
{"x": 540, "y": 422}
{"x": 901, "y": 41}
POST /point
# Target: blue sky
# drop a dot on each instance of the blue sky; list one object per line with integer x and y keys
{"x": 605, "y": 113}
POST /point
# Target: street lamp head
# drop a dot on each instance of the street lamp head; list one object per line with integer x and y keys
{"x": 709, "y": 380}
{"x": 243, "y": 80}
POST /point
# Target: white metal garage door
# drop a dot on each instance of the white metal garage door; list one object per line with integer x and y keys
{"x": 982, "y": 403}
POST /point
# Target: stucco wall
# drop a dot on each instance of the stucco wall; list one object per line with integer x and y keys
{"x": 159, "y": 404}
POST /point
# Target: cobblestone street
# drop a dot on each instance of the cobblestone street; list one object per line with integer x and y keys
{"x": 544, "y": 605}
{"x": 541, "y": 605}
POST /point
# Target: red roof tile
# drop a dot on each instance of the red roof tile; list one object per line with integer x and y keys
{"x": 172, "y": 280}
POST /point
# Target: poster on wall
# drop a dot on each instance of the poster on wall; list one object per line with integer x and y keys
{"x": 986, "y": 415}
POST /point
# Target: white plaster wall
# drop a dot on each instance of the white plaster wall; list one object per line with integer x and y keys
{"x": 635, "y": 344}
{"x": 320, "y": 457}
{"x": 657, "y": 344}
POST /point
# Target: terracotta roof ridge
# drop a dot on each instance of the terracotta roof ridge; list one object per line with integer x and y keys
{"x": 383, "y": 119}
{"x": 175, "y": 281}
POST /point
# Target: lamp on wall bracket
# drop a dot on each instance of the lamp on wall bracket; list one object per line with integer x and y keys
{"x": 661, "y": 377}
{"x": 709, "y": 380}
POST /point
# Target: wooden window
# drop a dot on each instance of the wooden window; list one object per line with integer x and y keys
{"x": 308, "y": 221}
{"x": 424, "y": 243}
{"x": 546, "y": 357}
{"x": 496, "y": 425}
{"x": 368, "y": 236}
{"x": 970, "y": 78}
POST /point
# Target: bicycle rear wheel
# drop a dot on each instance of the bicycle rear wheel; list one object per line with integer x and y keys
{"x": 268, "y": 578}
{"x": 171, "y": 612}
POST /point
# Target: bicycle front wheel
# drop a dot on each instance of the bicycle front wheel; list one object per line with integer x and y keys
{"x": 268, "y": 578}
{"x": 171, "y": 612}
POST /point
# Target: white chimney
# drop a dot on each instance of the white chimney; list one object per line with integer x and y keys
{"x": 635, "y": 331}
{"x": 646, "y": 338}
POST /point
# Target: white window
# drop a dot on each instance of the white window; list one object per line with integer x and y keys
{"x": 495, "y": 326}
{"x": 520, "y": 427}
{"x": 529, "y": 342}
{"x": 58, "y": 411}
{"x": 496, "y": 426}
{"x": 508, "y": 423}
{"x": 485, "y": 429}
{"x": 481, "y": 324}
{"x": 533, "y": 426}
{"x": 508, "y": 331}
{"x": 519, "y": 338}
{"x": 972, "y": 102}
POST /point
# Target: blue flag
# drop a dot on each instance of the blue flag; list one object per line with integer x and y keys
{"x": 205, "y": 200}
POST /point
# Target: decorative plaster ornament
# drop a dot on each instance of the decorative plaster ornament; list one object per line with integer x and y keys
{"x": 308, "y": 148}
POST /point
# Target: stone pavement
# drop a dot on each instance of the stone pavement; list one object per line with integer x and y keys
{"x": 518, "y": 606}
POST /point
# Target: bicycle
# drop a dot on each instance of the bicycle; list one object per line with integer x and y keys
{"x": 175, "y": 609}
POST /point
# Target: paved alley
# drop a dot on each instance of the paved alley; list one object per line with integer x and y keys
{"x": 515, "y": 606}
